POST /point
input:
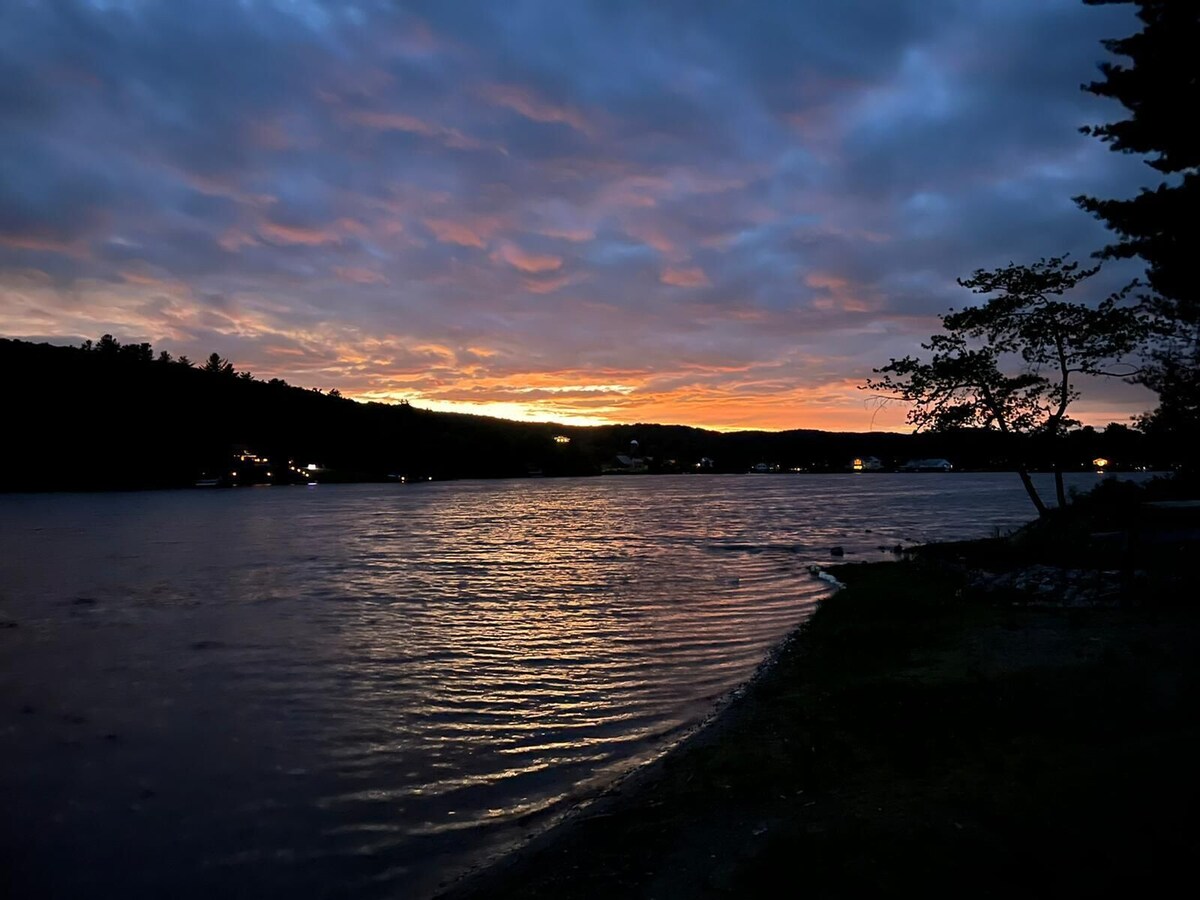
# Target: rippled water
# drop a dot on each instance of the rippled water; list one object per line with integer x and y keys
{"x": 355, "y": 690}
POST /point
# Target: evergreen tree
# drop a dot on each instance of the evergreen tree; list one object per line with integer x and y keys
{"x": 1160, "y": 87}
{"x": 218, "y": 366}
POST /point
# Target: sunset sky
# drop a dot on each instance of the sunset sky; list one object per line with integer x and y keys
{"x": 717, "y": 214}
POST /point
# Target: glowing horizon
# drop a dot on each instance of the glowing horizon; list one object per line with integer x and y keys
{"x": 543, "y": 414}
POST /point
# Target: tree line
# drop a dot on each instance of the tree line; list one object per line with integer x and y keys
{"x": 109, "y": 347}
{"x": 79, "y": 419}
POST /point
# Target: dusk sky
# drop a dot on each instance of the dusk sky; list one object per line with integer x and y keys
{"x": 716, "y": 214}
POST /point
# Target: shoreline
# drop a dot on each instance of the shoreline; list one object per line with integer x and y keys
{"x": 910, "y": 734}
{"x": 490, "y": 874}
{"x": 507, "y": 854}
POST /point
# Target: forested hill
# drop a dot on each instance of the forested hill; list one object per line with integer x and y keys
{"x": 108, "y": 416}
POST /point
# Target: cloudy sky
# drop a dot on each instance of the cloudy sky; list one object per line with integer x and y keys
{"x": 710, "y": 213}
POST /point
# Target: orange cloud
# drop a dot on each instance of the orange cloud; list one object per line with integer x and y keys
{"x": 44, "y": 243}
{"x": 546, "y": 285}
{"x": 356, "y": 275}
{"x": 474, "y": 234}
{"x": 216, "y": 187}
{"x": 435, "y": 351}
{"x": 653, "y": 237}
{"x": 524, "y": 102}
{"x": 297, "y": 234}
{"x": 277, "y": 233}
{"x": 351, "y": 226}
{"x": 149, "y": 279}
{"x": 836, "y": 292}
{"x": 396, "y": 121}
{"x": 636, "y": 191}
{"x": 826, "y": 281}
{"x": 234, "y": 239}
{"x": 530, "y": 263}
{"x": 392, "y": 121}
{"x": 691, "y": 278}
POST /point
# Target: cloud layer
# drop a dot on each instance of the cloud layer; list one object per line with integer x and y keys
{"x": 715, "y": 214}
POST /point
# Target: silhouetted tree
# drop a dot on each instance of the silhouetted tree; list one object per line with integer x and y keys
{"x": 184, "y": 361}
{"x": 218, "y": 366}
{"x": 108, "y": 345}
{"x": 164, "y": 356}
{"x": 1042, "y": 340}
{"x": 1160, "y": 88}
{"x": 142, "y": 353}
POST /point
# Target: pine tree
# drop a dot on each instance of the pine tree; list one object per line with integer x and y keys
{"x": 1160, "y": 87}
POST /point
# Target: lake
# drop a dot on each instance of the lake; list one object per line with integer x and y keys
{"x": 355, "y": 691}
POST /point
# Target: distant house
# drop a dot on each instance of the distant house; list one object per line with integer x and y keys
{"x": 631, "y": 463}
{"x": 927, "y": 465}
{"x": 247, "y": 467}
{"x": 866, "y": 464}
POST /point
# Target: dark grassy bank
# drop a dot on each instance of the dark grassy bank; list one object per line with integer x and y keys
{"x": 920, "y": 737}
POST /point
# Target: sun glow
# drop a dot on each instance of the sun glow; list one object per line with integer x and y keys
{"x": 518, "y": 412}
{"x": 713, "y": 410}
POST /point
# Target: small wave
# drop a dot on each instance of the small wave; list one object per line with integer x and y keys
{"x": 752, "y": 548}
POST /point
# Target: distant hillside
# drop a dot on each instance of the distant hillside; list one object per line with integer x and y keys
{"x": 114, "y": 416}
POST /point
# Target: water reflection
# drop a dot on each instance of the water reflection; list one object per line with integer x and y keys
{"x": 350, "y": 691}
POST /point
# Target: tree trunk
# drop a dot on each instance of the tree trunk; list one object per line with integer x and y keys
{"x": 1060, "y": 493}
{"x": 1032, "y": 491}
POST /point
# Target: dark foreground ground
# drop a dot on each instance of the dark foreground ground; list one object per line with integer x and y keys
{"x": 918, "y": 738}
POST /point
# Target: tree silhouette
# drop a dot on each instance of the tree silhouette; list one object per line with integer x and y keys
{"x": 1160, "y": 88}
{"x": 1042, "y": 341}
{"x": 142, "y": 353}
{"x": 218, "y": 366}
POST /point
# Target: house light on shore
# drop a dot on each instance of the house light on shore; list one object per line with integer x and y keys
{"x": 561, "y": 439}
{"x": 1099, "y": 462}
